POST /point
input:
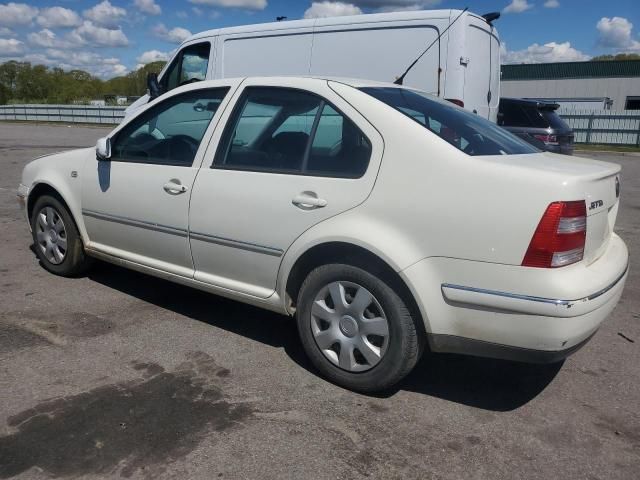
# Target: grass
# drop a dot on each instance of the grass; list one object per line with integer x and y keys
{"x": 606, "y": 148}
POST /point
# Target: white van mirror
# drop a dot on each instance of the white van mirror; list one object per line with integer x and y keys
{"x": 103, "y": 148}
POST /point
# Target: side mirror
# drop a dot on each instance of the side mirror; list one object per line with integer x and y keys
{"x": 155, "y": 90}
{"x": 103, "y": 149}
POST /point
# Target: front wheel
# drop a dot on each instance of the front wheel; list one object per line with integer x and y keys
{"x": 56, "y": 239}
{"x": 356, "y": 329}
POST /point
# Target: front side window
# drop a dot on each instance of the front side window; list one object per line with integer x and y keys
{"x": 464, "y": 130}
{"x": 189, "y": 66}
{"x": 291, "y": 131}
{"x": 170, "y": 132}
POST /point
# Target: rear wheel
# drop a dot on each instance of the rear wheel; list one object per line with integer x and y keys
{"x": 355, "y": 328}
{"x": 56, "y": 239}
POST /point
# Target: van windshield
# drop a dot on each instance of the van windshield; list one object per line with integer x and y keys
{"x": 464, "y": 130}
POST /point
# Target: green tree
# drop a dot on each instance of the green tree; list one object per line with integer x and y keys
{"x": 22, "y": 82}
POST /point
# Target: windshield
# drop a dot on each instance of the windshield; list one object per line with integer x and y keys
{"x": 464, "y": 130}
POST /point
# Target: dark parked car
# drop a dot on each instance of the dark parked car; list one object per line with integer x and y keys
{"x": 536, "y": 122}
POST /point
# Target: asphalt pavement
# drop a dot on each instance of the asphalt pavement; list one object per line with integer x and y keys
{"x": 120, "y": 374}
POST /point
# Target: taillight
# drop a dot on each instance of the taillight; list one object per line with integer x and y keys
{"x": 455, "y": 101}
{"x": 560, "y": 237}
{"x": 548, "y": 139}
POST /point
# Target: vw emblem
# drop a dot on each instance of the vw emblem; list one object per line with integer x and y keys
{"x": 617, "y": 187}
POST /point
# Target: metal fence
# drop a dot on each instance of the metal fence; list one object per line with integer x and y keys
{"x": 590, "y": 126}
{"x": 63, "y": 113}
{"x": 605, "y": 127}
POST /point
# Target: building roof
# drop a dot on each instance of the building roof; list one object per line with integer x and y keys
{"x": 554, "y": 71}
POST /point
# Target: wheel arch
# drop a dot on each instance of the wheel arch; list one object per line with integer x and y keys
{"x": 40, "y": 188}
{"x": 350, "y": 254}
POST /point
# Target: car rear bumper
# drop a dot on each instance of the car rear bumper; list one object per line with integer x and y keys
{"x": 563, "y": 149}
{"x": 517, "y": 312}
{"x": 480, "y": 348}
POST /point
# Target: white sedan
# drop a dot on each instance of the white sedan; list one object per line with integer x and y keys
{"x": 385, "y": 220}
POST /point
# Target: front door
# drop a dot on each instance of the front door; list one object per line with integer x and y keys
{"x": 136, "y": 204}
{"x": 287, "y": 160}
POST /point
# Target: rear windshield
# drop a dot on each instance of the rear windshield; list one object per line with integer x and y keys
{"x": 554, "y": 120}
{"x": 464, "y": 130}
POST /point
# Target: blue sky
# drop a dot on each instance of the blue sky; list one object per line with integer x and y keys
{"x": 112, "y": 37}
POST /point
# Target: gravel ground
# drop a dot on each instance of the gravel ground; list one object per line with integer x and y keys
{"x": 120, "y": 374}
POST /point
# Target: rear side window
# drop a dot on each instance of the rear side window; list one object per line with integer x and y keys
{"x": 290, "y": 131}
{"x": 513, "y": 115}
{"x": 464, "y": 130}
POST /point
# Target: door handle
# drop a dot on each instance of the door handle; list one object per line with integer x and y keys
{"x": 174, "y": 187}
{"x": 308, "y": 201}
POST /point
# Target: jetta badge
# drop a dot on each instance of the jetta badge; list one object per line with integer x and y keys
{"x": 617, "y": 187}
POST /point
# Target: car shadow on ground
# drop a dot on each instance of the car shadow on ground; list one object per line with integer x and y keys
{"x": 479, "y": 382}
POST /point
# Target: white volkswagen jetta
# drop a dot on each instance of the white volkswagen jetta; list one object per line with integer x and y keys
{"x": 384, "y": 219}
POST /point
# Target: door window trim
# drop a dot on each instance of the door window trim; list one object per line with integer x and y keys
{"x": 224, "y": 145}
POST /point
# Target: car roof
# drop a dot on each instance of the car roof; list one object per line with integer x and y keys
{"x": 352, "y": 82}
{"x": 531, "y": 102}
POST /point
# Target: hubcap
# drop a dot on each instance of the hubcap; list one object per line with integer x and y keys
{"x": 51, "y": 235}
{"x": 349, "y": 326}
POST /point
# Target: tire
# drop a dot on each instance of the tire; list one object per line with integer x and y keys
{"x": 321, "y": 321}
{"x": 56, "y": 240}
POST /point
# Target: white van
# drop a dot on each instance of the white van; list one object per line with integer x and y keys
{"x": 463, "y": 65}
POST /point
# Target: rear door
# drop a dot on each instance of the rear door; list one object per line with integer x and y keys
{"x": 291, "y": 155}
{"x": 483, "y": 59}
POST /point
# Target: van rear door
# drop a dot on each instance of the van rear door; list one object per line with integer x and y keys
{"x": 482, "y": 74}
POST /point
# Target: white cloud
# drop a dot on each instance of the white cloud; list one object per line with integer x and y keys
{"x": 98, "y": 36}
{"x": 547, "y": 53}
{"x": 244, "y": 4}
{"x": 517, "y": 6}
{"x": 152, "y": 56}
{"x": 5, "y": 32}
{"x": 617, "y": 33}
{"x": 105, "y": 14}
{"x": 551, "y": 4}
{"x": 12, "y": 14}
{"x": 45, "y": 38}
{"x": 148, "y": 6}
{"x": 175, "y": 35}
{"x": 10, "y": 47}
{"x": 56, "y": 17}
{"x": 182, "y": 14}
{"x": 331, "y": 9}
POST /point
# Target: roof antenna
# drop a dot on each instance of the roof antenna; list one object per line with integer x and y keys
{"x": 400, "y": 79}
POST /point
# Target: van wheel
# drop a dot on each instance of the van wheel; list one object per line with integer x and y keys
{"x": 56, "y": 240}
{"x": 355, "y": 328}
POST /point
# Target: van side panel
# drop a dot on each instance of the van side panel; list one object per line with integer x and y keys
{"x": 378, "y": 52}
{"x": 280, "y": 54}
